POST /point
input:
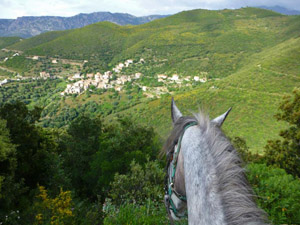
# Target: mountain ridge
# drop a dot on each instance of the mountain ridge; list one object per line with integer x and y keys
{"x": 29, "y": 26}
{"x": 281, "y": 10}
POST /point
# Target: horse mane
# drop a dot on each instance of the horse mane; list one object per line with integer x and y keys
{"x": 236, "y": 194}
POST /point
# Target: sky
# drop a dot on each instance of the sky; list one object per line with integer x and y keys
{"x": 12, "y": 9}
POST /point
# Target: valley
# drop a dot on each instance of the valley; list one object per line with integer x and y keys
{"x": 247, "y": 59}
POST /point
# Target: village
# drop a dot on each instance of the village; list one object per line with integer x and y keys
{"x": 114, "y": 80}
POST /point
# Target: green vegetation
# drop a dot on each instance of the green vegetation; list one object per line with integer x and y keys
{"x": 278, "y": 193}
{"x": 95, "y": 165}
{"x": 7, "y": 41}
{"x": 286, "y": 153}
{"x": 94, "y": 173}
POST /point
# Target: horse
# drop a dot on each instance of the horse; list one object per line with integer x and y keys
{"x": 205, "y": 180}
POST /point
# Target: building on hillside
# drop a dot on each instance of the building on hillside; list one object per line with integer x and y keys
{"x": 90, "y": 75}
{"x": 128, "y": 62}
{"x": 45, "y": 75}
{"x": 5, "y": 59}
{"x": 137, "y": 75}
{"x": 54, "y": 61}
{"x": 108, "y": 73}
{"x": 175, "y": 77}
{"x": 77, "y": 76}
{"x": 5, "y": 81}
{"x": 162, "y": 76}
{"x": 35, "y": 57}
{"x": 118, "y": 88}
{"x": 16, "y": 54}
{"x": 117, "y": 70}
{"x": 196, "y": 78}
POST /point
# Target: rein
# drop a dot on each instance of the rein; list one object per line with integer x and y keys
{"x": 170, "y": 193}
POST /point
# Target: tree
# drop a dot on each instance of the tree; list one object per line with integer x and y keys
{"x": 8, "y": 164}
{"x": 28, "y": 160}
{"x": 286, "y": 153}
{"x": 120, "y": 144}
{"x": 80, "y": 145}
{"x": 32, "y": 145}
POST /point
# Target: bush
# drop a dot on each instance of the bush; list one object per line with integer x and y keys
{"x": 133, "y": 214}
{"x": 54, "y": 211}
{"x": 139, "y": 184}
{"x": 278, "y": 192}
{"x": 286, "y": 153}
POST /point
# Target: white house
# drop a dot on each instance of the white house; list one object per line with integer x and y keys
{"x": 162, "y": 76}
{"x": 35, "y": 57}
{"x": 5, "y": 81}
{"x": 128, "y": 62}
{"x": 137, "y": 75}
{"x": 45, "y": 75}
{"x": 196, "y": 78}
{"x": 175, "y": 77}
{"x": 54, "y": 61}
{"x": 76, "y": 76}
{"x": 90, "y": 75}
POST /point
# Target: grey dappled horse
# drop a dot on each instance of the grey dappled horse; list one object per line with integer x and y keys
{"x": 204, "y": 175}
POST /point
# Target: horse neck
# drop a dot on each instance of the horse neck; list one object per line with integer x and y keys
{"x": 203, "y": 200}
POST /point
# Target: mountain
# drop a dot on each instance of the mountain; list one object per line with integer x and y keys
{"x": 250, "y": 56}
{"x": 281, "y": 10}
{"x": 29, "y": 26}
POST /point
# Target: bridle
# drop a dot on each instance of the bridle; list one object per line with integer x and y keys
{"x": 171, "y": 195}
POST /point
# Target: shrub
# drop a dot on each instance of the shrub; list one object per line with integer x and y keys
{"x": 139, "y": 184}
{"x": 286, "y": 153}
{"x": 57, "y": 211}
{"x": 130, "y": 213}
{"x": 278, "y": 192}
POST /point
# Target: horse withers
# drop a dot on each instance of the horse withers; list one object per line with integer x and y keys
{"x": 205, "y": 180}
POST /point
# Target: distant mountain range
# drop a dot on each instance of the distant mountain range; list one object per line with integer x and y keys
{"x": 281, "y": 10}
{"x": 28, "y": 26}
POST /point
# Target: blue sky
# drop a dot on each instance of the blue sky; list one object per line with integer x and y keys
{"x": 17, "y": 8}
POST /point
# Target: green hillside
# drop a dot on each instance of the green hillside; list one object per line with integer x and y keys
{"x": 251, "y": 57}
{"x": 7, "y": 41}
{"x": 192, "y": 41}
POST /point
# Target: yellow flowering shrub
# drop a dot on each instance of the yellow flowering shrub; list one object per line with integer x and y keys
{"x": 56, "y": 211}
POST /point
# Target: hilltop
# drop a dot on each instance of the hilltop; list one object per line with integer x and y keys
{"x": 249, "y": 56}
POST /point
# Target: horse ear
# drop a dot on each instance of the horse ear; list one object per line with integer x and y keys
{"x": 176, "y": 114}
{"x": 220, "y": 119}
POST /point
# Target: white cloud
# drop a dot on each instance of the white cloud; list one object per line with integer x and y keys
{"x": 17, "y": 8}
